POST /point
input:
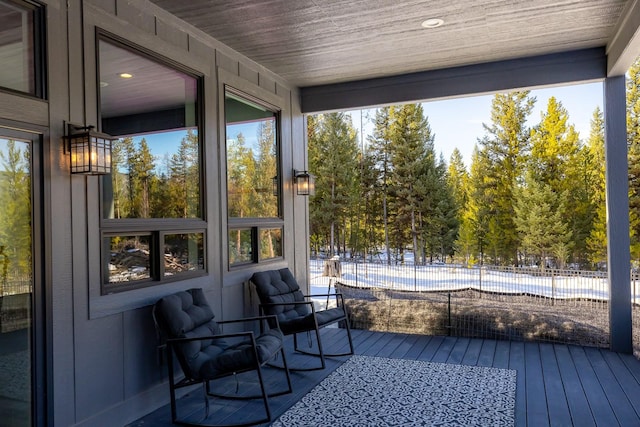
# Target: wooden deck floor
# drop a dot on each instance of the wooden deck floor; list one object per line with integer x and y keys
{"x": 557, "y": 385}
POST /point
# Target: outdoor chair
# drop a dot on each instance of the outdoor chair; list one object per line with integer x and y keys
{"x": 186, "y": 324}
{"x": 280, "y": 295}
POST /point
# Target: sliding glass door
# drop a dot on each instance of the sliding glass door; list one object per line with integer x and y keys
{"x": 18, "y": 278}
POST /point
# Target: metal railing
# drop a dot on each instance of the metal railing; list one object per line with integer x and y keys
{"x": 15, "y": 303}
{"x": 551, "y": 305}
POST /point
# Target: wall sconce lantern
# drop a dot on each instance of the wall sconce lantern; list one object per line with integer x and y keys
{"x": 89, "y": 151}
{"x": 275, "y": 182}
{"x": 305, "y": 183}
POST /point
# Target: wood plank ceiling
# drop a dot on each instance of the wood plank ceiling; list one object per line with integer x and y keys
{"x": 318, "y": 42}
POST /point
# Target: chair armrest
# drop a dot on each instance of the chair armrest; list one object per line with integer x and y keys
{"x": 284, "y": 303}
{"x": 323, "y": 295}
{"x": 275, "y": 304}
{"x": 248, "y": 334}
{"x": 338, "y": 295}
{"x": 267, "y": 317}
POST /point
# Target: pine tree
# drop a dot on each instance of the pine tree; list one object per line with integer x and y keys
{"x": 539, "y": 221}
{"x": 633, "y": 141}
{"x": 458, "y": 182}
{"x": 123, "y": 158}
{"x": 458, "y": 179}
{"x": 371, "y": 192}
{"x": 266, "y": 169}
{"x": 183, "y": 196}
{"x": 380, "y": 144}
{"x": 317, "y": 234}
{"x": 144, "y": 179}
{"x": 559, "y": 161}
{"x": 504, "y": 149}
{"x": 597, "y": 240}
{"x": 413, "y": 177}
{"x": 448, "y": 220}
{"x": 474, "y": 225}
{"x": 333, "y": 158}
{"x": 15, "y": 207}
{"x": 239, "y": 171}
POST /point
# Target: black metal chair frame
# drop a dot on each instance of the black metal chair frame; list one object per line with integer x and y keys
{"x": 321, "y": 354}
{"x": 186, "y": 381}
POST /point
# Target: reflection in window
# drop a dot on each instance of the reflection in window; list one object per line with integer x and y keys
{"x": 152, "y": 201}
{"x": 17, "y": 49}
{"x": 16, "y": 282}
{"x": 240, "y": 246}
{"x": 156, "y": 163}
{"x": 128, "y": 258}
{"x": 252, "y": 159}
{"x": 15, "y": 217}
{"x": 270, "y": 243}
{"x": 183, "y": 252}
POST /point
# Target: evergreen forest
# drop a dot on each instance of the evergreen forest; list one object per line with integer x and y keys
{"x": 532, "y": 195}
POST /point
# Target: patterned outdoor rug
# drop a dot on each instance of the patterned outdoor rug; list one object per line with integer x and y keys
{"x": 376, "y": 391}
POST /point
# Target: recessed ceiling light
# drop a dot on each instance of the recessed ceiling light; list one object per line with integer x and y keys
{"x": 432, "y": 23}
{"x": 126, "y": 75}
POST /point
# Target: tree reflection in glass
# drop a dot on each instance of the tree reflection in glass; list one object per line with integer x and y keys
{"x": 252, "y": 159}
{"x": 156, "y": 186}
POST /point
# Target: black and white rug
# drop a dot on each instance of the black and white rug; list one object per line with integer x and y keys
{"x": 376, "y": 391}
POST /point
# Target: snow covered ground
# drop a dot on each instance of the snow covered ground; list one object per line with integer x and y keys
{"x": 570, "y": 284}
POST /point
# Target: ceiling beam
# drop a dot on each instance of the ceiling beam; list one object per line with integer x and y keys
{"x": 545, "y": 70}
{"x": 624, "y": 47}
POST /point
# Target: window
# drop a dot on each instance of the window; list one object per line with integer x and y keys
{"x": 270, "y": 243}
{"x": 21, "y": 53}
{"x": 153, "y": 224}
{"x": 253, "y": 179}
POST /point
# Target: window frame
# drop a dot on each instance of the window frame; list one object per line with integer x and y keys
{"x": 156, "y": 227}
{"x": 39, "y": 54}
{"x": 255, "y": 224}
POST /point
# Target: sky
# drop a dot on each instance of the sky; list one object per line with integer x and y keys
{"x": 457, "y": 123}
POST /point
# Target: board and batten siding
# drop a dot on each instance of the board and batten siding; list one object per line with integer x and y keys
{"x": 104, "y": 367}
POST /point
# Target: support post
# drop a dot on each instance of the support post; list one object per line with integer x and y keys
{"x": 617, "y": 195}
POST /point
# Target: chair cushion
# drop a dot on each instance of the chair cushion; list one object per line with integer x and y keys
{"x": 187, "y": 314}
{"x": 183, "y": 311}
{"x": 279, "y": 286}
{"x": 331, "y": 315}
{"x": 297, "y": 324}
{"x": 240, "y": 356}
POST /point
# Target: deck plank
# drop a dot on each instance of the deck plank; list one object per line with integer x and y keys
{"x": 596, "y": 397}
{"x": 458, "y": 351}
{"x": 379, "y": 344}
{"x": 632, "y": 365}
{"x": 558, "y": 385}
{"x": 418, "y": 347}
{"x": 405, "y": 347}
{"x": 391, "y": 345}
{"x": 444, "y": 350}
{"x": 574, "y": 390}
{"x": 517, "y": 362}
{"x": 624, "y": 376}
{"x": 501, "y": 355}
{"x": 367, "y": 342}
{"x": 431, "y": 348}
{"x": 624, "y": 412}
{"x": 487, "y": 353}
{"x": 556, "y": 398}
{"x": 472, "y": 353}
{"x": 536, "y": 402}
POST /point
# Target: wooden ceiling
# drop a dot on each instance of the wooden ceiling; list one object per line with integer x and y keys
{"x": 320, "y": 42}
